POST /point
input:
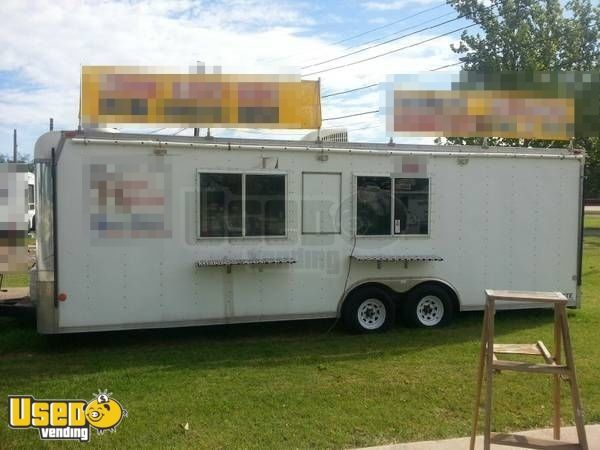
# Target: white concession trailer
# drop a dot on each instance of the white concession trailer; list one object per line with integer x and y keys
{"x": 145, "y": 231}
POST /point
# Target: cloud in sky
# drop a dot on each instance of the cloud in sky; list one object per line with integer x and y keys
{"x": 43, "y": 44}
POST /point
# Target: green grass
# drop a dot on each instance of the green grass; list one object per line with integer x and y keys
{"x": 18, "y": 279}
{"x": 15, "y": 280}
{"x": 591, "y": 221}
{"x": 293, "y": 385}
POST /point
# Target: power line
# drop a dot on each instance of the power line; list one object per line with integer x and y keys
{"x": 357, "y": 124}
{"x": 391, "y": 40}
{"x": 402, "y": 30}
{"x": 391, "y": 51}
{"x": 390, "y": 24}
{"x": 351, "y": 115}
{"x": 383, "y": 43}
{"x": 350, "y": 90}
{"x": 363, "y": 128}
{"x": 447, "y": 65}
{"x": 371, "y": 30}
{"x": 382, "y": 37}
{"x": 377, "y": 84}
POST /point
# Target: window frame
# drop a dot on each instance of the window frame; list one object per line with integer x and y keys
{"x": 243, "y": 173}
{"x": 392, "y": 177}
{"x": 30, "y": 197}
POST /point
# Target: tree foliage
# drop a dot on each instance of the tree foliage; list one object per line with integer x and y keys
{"x": 21, "y": 158}
{"x": 530, "y": 35}
{"x": 533, "y": 35}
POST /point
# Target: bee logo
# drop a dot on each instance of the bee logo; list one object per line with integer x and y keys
{"x": 65, "y": 419}
{"x": 104, "y": 413}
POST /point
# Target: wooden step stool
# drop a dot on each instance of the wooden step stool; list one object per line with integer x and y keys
{"x": 489, "y": 363}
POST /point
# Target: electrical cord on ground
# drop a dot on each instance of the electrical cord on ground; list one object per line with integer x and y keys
{"x": 337, "y": 319}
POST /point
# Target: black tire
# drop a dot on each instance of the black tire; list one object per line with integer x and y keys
{"x": 428, "y": 306}
{"x": 368, "y": 310}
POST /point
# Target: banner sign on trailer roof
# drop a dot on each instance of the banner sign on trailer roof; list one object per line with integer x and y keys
{"x": 532, "y": 105}
{"x": 114, "y": 95}
{"x": 507, "y": 114}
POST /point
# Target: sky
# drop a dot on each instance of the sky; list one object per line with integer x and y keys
{"x": 43, "y": 45}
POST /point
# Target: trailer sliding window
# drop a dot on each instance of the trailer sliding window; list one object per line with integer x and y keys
{"x": 411, "y": 205}
{"x": 379, "y": 198}
{"x": 265, "y": 205}
{"x": 239, "y": 204}
{"x": 373, "y": 205}
{"x": 220, "y": 204}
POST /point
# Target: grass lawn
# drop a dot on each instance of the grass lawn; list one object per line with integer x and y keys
{"x": 15, "y": 280}
{"x": 293, "y": 385}
{"x": 592, "y": 221}
{"x": 18, "y": 279}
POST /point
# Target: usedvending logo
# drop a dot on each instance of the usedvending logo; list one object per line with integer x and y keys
{"x": 65, "y": 419}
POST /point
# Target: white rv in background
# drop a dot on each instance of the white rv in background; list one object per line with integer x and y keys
{"x": 145, "y": 231}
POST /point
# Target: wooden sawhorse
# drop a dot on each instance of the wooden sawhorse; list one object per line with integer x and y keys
{"x": 488, "y": 364}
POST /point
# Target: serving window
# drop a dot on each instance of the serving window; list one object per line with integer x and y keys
{"x": 411, "y": 206}
{"x": 240, "y": 204}
{"x": 265, "y": 205}
{"x": 392, "y": 206}
{"x": 373, "y": 205}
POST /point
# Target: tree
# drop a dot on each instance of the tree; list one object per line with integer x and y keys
{"x": 530, "y": 35}
{"x": 533, "y": 35}
{"x": 21, "y": 158}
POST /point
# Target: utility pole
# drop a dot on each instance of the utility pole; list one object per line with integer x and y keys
{"x": 15, "y": 145}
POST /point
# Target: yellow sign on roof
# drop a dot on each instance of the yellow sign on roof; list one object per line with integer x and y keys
{"x": 130, "y": 95}
{"x": 507, "y": 114}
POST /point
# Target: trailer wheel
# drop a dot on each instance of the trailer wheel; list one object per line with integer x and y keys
{"x": 428, "y": 306}
{"x": 368, "y": 310}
